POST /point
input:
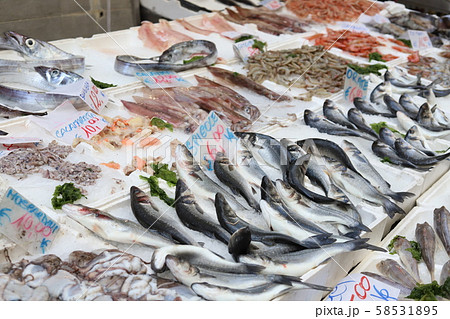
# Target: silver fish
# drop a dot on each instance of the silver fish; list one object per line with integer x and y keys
{"x": 376, "y": 96}
{"x": 393, "y": 105}
{"x": 408, "y": 104}
{"x": 416, "y": 140}
{"x": 371, "y": 174}
{"x": 401, "y": 84}
{"x": 387, "y": 137}
{"x": 401, "y": 246}
{"x": 170, "y": 59}
{"x": 199, "y": 257}
{"x": 445, "y": 273}
{"x": 356, "y": 117}
{"x": 368, "y": 108}
{"x": 440, "y": 116}
{"x": 427, "y": 241}
{"x": 441, "y": 218}
{"x": 113, "y": 228}
{"x": 239, "y": 243}
{"x": 426, "y": 119}
{"x": 391, "y": 269}
{"x": 332, "y": 112}
{"x": 384, "y": 151}
{"x": 408, "y": 152}
{"x": 249, "y": 167}
{"x": 406, "y": 123}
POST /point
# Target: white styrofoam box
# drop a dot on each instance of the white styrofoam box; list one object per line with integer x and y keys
{"x": 407, "y": 228}
{"x": 437, "y": 195}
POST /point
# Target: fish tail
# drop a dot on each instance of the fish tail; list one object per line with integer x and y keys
{"x": 253, "y": 268}
{"x": 363, "y": 227}
{"x": 391, "y": 208}
{"x": 400, "y": 196}
{"x": 362, "y": 244}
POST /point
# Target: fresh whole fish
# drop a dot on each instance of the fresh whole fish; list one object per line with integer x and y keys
{"x": 441, "y": 218}
{"x": 440, "y": 116}
{"x": 243, "y": 81}
{"x": 406, "y": 123}
{"x": 427, "y": 241}
{"x": 392, "y": 270}
{"x": 332, "y": 112}
{"x": 387, "y": 136}
{"x": 394, "y": 106}
{"x": 386, "y": 152}
{"x": 326, "y": 126}
{"x": 201, "y": 258}
{"x": 368, "y": 108}
{"x": 112, "y": 228}
{"x": 395, "y": 82}
{"x": 445, "y": 273}
{"x": 298, "y": 263}
{"x": 360, "y": 187}
{"x": 249, "y": 167}
{"x": 416, "y": 140}
{"x": 229, "y": 174}
{"x": 356, "y": 117}
{"x": 408, "y": 152}
{"x": 426, "y": 119}
{"x": 149, "y": 216}
{"x": 371, "y": 174}
{"x": 401, "y": 246}
{"x": 239, "y": 243}
{"x": 376, "y": 96}
{"x": 170, "y": 58}
{"x": 194, "y": 217}
{"x": 408, "y": 105}
{"x": 404, "y": 291}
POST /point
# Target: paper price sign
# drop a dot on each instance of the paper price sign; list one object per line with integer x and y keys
{"x": 355, "y": 85}
{"x": 272, "y": 4}
{"x": 359, "y": 287}
{"x": 419, "y": 40}
{"x": 162, "y": 79}
{"x": 66, "y": 123}
{"x": 25, "y": 224}
{"x": 245, "y": 49}
{"x": 355, "y": 27}
{"x": 211, "y": 137}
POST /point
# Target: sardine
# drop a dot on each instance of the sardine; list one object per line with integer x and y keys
{"x": 239, "y": 243}
{"x": 387, "y": 137}
{"x": 371, "y": 174}
{"x": 384, "y": 151}
{"x": 243, "y": 81}
{"x": 416, "y": 140}
{"x": 332, "y": 112}
{"x": 360, "y": 187}
{"x": 113, "y": 228}
{"x": 326, "y": 126}
{"x": 408, "y": 152}
{"x": 201, "y": 258}
{"x": 367, "y": 108}
{"x": 376, "y": 96}
{"x": 229, "y": 174}
{"x": 426, "y": 119}
{"x": 298, "y": 263}
{"x": 401, "y": 246}
{"x": 149, "y": 216}
{"x": 404, "y": 291}
{"x": 441, "y": 218}
{"x": 427, "y": 241}
{"x": 170, "y": 58}
{"x": 408, "y": 104}
{"x": 194, "y": 217}
{"x": 392, "y": 270}
{"x": 356, "y": 117}
{"x": 445, "y": 273}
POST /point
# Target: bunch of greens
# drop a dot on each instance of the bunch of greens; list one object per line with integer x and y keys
{"x": 102, "y": 85}
{"x": 378, "y": 126}
{"x": 415, "y": 248}
{"x": 161, "y": 171}
{"x": 376, "y": 57}
{"x": 65, "y": 194}
{"x": 428, "y": 292}
{"x": 373, "y": 68}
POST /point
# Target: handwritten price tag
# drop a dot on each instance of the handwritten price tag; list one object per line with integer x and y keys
{"x": 245, "y": 49}
{"x": 211, "y": 137}
{"x": 355, "y": 27}
{"x": 419, "y": 40}
{"x": 66, "y": 123}
{"x": 272, "y": 4}
{"x": 25, "y": 224}
{"x": 359, "y": 287}
{"x": 8, "y": 144}
{"x": 355, "y": 85}
{"x": 162, "y": 79}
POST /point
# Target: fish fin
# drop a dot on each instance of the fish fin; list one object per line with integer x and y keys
{"x": 362, "y": 244}
{"x": 235, "y": 191}
{"x": 284, "y": 280}
{"x": 202, "y": 244}
{"x": 319, "y": 240}
{"x": 254, "y": 192}
{"x": 252, "y": 268}
{"x": 353, "y": 234}
{"x": 391, "y": 208}
{"x": 400, "y": 196}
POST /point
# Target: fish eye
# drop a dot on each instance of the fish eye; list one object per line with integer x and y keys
{"x": 30, "y": 42}
{"x": 54, "y": 72}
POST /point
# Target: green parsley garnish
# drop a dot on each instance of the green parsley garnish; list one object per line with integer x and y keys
{"x": 428, "y": 292}
{"x": 259, "y": 45}
{"x": 65, "y": 194}
{"x": 195, "y": 58}
{"x": 243, "y": 38}
{"x": 386, "y": 160}
{"x": 161, "y": 124}
{"x": 377, "y": 127}
{"x": 406, "y": 42}
{"x": 155, "y": 190}
{"x": 162, "y": 171}
{"x": 376, "y": 57}
{"x": 373, "y": 68}
{"x": 102, "y": 85}
{"x": 443, "y": 151}
{"x": 415, "y": 248}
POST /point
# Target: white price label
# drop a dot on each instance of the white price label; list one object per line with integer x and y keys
{"x": 419, "y": 40}
{"x": 355, "y": 85}
{"x": 25, "y": 224}
{"x": 359, "y": 287}
{"x": 211, "y": 137}
{"x": 272, "y": 4}
{"x": 245, "y": 49}
{"x": 66, "y": 123}
{"x": 162, "y": 79}
{"x": 355, "y": 27}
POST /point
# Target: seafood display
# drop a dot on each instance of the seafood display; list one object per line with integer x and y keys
{"x": 209, "y": 24}
{"x": 430, "y": 68}
{"x": 160, "y": 36}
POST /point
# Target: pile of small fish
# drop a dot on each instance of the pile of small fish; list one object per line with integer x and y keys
{"x": 265, "y": 20}
{"x": 187, "y": 107}
{"x": 106, "y": 276}
{"x": 430, "y": 68}
{"x": 309, "y": 67}
{"x": 406, "y": 278}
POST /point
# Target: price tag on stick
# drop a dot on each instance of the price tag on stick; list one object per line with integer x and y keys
{"x": 25, "y": 224}
{"x": 355, "y": 85}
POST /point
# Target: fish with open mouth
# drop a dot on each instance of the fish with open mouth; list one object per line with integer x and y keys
{"x": 368, "y": 108}
{"x": 170, "y": 58}
{"x": 113, "y": 228}
{"x": 355, "y": 116}
{"x": 416, "y": 140}
{"x": 391, "y": 269}
{"x": 324, "y": 125}
{"x": 413, "y": 155}
{"x": 149, "y": 216}
{"x": 441, "y": 218}
{"x": 332, "y": 112}
{"x": 427, "y": 241}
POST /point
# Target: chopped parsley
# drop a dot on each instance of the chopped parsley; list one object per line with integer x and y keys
{"x": 65, "y": 194}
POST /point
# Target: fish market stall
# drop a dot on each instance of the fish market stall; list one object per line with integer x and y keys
{"x": 236, "y": 152}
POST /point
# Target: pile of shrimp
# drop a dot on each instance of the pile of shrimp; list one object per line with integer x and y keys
{"x": 327, "y": 11}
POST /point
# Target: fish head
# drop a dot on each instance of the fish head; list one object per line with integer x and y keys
{"x": 329, "y": 104}
{"x": 57, "y": 77}
{"x": 34, "y": 48}
{"x": 412, "y": 133}
{"x": 401, "y": 143}
{"x": 268, "y": 191}
{"x": 178, "y": 265}
{"x": 310, "y": 116}
{"x": 405, "y": 97}
{"x": 184, "y": 159}
{"x": 137, "y": 195}
{"x": 386, "y": 133}
{"x": 425, "y": 112}
{"x": 285, "y": 190}
{"x": 223, "y": 208}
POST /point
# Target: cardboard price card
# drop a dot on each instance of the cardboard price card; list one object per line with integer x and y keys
{"x": 359, "y": 287}
{"x": 245, "y": 49}
{"x": 162, "y": 79}
{"x": 25, "y": 224}
{"x": 355, "y": 85}
{"x": 419, "y": 40}
{"x": 211, "y": 137}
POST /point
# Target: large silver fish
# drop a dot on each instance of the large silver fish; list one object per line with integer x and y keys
{"x": 442, "y": 226}
{"x": 391, "y": 269}
{"x": 332, "y": 112}
{"x": 427, "y": 241}
{"x": 368, "y": 108}
{"x": 413, "y": 155}
{"x": 414, "y": 138}
{"x": 355, "y": 116}
{"x": 384, "y": 151}
{"x": 113, "y": 228}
